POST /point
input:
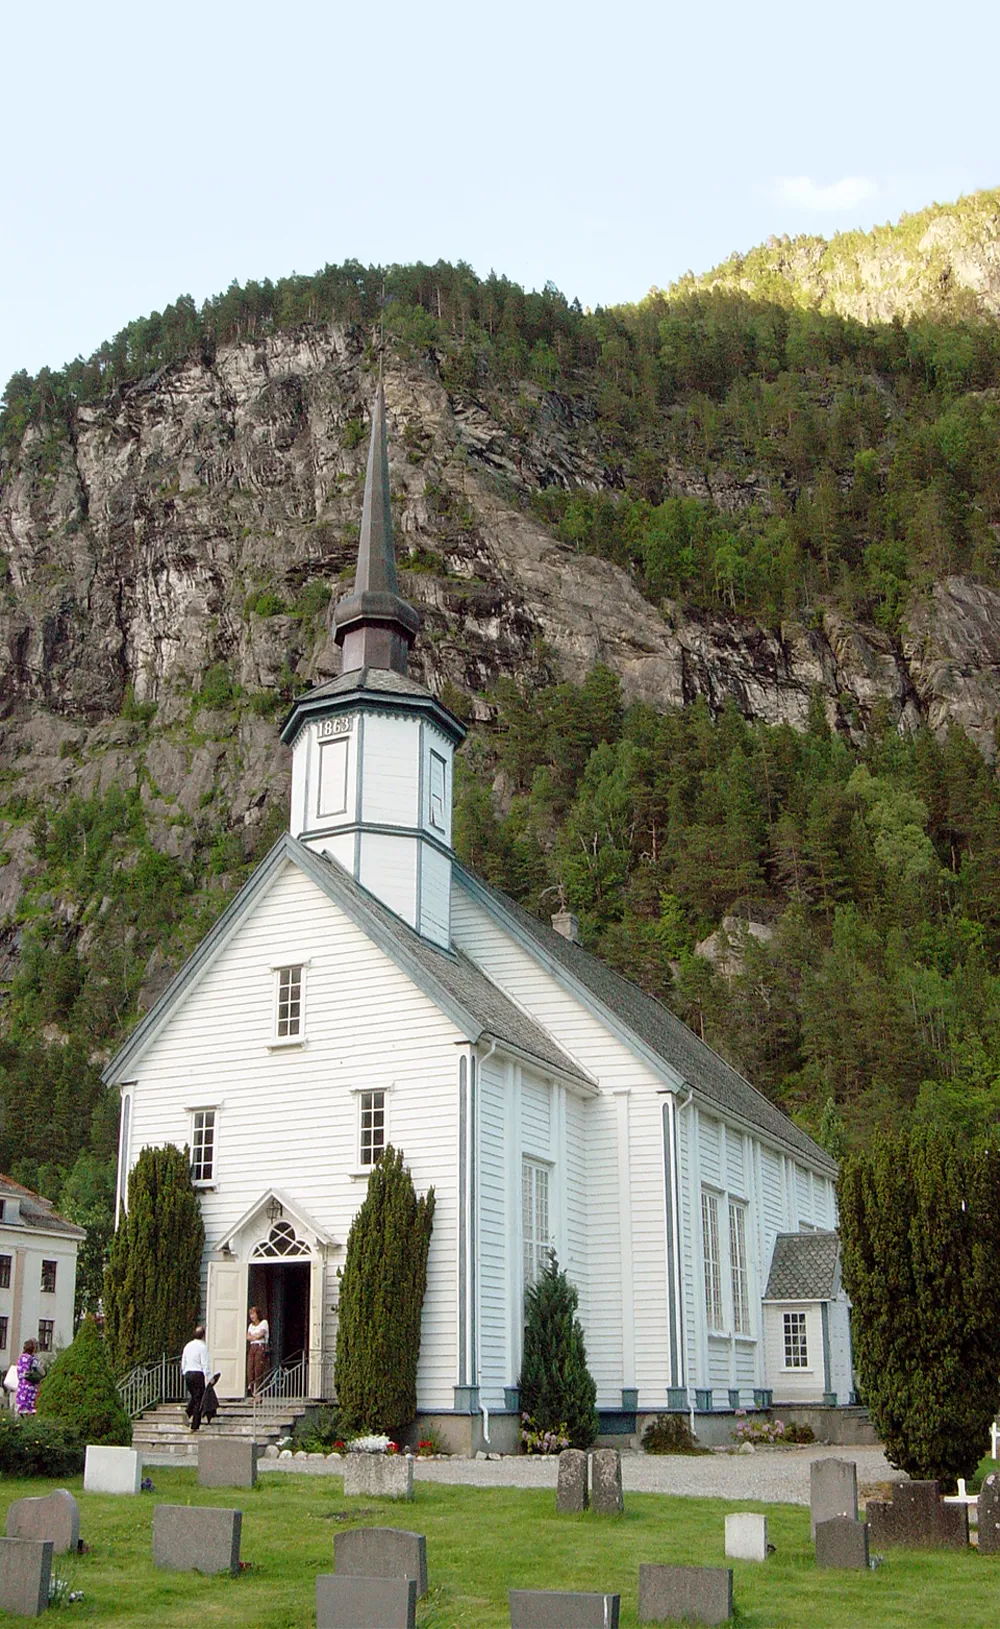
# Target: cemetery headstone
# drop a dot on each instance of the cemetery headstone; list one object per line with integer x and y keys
{"x": 197, "y": 1538}
{"x": 571, "y": 1492}
{"x": 56, "y": 1517}
{"x": 841, "y": 1542}
{"x": 989, "y": 1515}
{"x": 562, "y": 1609}
{"x": 691, "y": 1594}
{"x": 112, "y": 1470}
{"x": 226, "y": 1462}
{"x": 382, "y": 1552}
{"x": 25, "y": 1571}
{"x": 746, "y": 1537}
{"x": 833, "y": 1491}
{"x": 606, "y": 1482}
{"x": 347, "y": 1601}
{"x": 378, "y": 1476}
{"x": 917, "y": 1518}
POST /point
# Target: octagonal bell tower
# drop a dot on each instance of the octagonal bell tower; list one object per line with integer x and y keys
{"x": 372, "y": 750}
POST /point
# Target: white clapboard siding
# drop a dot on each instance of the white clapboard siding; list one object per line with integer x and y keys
{"x": 536, "y": 1117}
{"x": 794, "y": 1385}
{"x": 575, "y": 1166}
{"x": 288, "y": 1118}
{"x": 736, "y": 1180}
{"x": 435, "y": 895}
{"x": 718, "y": 1363}
{"x": 496, "y": 1237}
{"x": 709, "y": 1151}
{"x": 390, "y": 771}
{"x": 746, "y": 1364}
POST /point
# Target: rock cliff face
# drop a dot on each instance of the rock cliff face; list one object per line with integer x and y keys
{"x": 165, "y": 570}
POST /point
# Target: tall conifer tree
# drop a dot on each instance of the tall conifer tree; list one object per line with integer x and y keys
{"x": 381, "y": 1300}
{"x": 557, "y": 1388}
{"x": 152, "y": 1287}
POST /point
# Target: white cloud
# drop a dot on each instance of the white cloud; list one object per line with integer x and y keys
{"x": 843, "y": 194}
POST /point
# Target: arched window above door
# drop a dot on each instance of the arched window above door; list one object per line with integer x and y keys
{"x": 281, "y": 1244}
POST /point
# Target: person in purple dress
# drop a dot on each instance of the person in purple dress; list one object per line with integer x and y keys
{"x": 27, "y": 1390}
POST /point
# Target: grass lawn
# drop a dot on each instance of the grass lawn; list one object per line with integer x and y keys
{"x": 480, "y": 1543}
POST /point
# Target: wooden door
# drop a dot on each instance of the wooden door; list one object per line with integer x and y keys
{"x": 227, "y": 1317}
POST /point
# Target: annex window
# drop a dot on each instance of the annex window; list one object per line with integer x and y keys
{"x": 203, "y": 1146}
{"x": 3, "y": 1334}
{"x": 288, "y": 1026}
{"x": 372, "y": 1142}
{"x": 49, "y": 1277}
{"x": 5, "y": 1272}
{"x": 712, "y": 1260}
{"x": 535, "y": 1219}
{"x": 796, "y": 1349}
{"x": 46, "y": 1330}
{"x": 738, "y": 1269}
{"x": 437, "y": 791}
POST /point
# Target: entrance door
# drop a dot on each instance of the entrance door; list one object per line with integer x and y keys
{"x": 280, "y": 1292}
{"x": 227, "y": 1343}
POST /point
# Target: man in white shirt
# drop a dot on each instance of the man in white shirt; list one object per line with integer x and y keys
{"x": 196, "y": 1367}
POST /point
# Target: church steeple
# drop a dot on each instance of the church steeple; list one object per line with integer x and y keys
{"x": 375, "y": 626}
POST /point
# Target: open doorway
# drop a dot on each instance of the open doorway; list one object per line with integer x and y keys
{"x": 280, "y": 1292}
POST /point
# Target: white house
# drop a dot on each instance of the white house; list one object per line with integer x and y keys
{"x": 363, "y": 988}
{"x": 37, "y": 1272}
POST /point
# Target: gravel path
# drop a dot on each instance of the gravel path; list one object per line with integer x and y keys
{"x": 770, "y": 1476}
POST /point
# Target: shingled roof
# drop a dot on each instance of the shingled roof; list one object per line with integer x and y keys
{"x": 804, "y": 1267}
{"x": 661, "y": 1031}
{"x": 37, "y": 1213}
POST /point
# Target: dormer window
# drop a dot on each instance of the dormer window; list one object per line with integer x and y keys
{"x": 437, "y": 792}
{"x": 290, "y": 1015}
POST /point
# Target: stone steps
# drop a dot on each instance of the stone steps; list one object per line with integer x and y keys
{"x": 165, "y": 1431}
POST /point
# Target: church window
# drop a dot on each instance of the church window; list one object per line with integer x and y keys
{"x": 289, "y": 1015}
{"x": 712, "y": 1260}
{"x": 738, "y": 1269}
{"x": 535, "y": 1219}
{"x": 372, "y": 1126}
{"x": 332, "y": 779}
{"x": 437, "y": 792}
{"x": 203, "y": 1146}
{"x": 796, "y": 1347}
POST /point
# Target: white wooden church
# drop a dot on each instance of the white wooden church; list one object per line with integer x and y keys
{"x": 363, "y": 988}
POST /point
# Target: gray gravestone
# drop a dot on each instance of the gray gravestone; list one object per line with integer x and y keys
{"x": 196, "y": 1538}
{"x": 746, "y": 1537}
{"x": 606, "y": 1482}
{"x": 378, "y": 1476}
{"x": 989, "y": 1515}
{"x": 693, "y": 1594}
{"x": 25, "y": 1571}
{"x": 841, "y": 1542}
{"x": 833, "y": 1491}
{"x": 571, "y": 1492}
{"x": 346, "y": 1601}
{"x": 562, "y": 1609}
{"x": 917, "y": 1518}
{"x": 382, "y": 1552}
{"x": 56, "y": 1517}
{"x": 226, "y": 1462}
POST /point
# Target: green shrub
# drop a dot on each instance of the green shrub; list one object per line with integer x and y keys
{"x": 79, "y": 1390}
{"x": 557, "y": 1388}
{"x": 33, "y": 1447}
{"x": 267, "y": 604}
{"x": 316, "y": 1434}
{"x": 670, "y": 1434}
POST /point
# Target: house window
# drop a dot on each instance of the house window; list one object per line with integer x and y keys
{"x": 713, "y": 1264}
{"x": 738, "y": 1269}
{"x": 46, "y": 1330}
{"x": 49, "y": 1277}
{"x": 289, "y": 1017}
{"x": 3, "y": 1334}
{"x": 796, "y": 1350}
{"x": 372, "y": 1126}
{"x": 203, "y": 1146}
{"x": 437, "y": 786}
{"x": 5, "y": 1272}
{"x": 535, "y": 1220}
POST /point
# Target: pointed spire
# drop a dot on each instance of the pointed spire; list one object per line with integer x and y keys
{"x": 374, "y": 625}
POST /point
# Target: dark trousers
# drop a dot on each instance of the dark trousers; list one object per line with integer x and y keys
{"x": 194, "y": 1380}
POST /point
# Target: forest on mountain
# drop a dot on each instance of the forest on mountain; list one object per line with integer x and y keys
{"x": 753, "y": 457}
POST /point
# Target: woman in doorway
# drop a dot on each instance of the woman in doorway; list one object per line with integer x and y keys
{"x": 258, "y": 1335}
{"x": 27, "y": 1389}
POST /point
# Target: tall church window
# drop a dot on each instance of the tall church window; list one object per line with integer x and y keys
{"x": 535, "y": 1219}
{"x": 437, "y": 792}
{"x": 712, "y": 1260}
{"x": 290, "y": 1014}
{"x": 203, "y": 1146}
{"x": 738, "y": 1269}
{"x": 372, "y": 1126}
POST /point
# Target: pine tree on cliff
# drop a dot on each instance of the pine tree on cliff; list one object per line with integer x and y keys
{"x": 80, "y": 1390}
{"x": 557, "y": 1388}
{"x": 381, "y": 1301}
{"x": 152, "y": 1287}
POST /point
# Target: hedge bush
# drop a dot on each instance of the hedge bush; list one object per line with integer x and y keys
{"x": 80, "y": 1390}
{"x": 33, "y": 1447}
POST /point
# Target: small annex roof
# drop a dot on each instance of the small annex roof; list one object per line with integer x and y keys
{"x": 476, "y": 1006}
{"x": 663, "y": 1037}
{"x": 804, "y": 1267}
{"x": 37, "y": 1214}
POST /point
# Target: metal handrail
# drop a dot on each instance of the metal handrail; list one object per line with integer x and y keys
{"x": 151, "y": 1383}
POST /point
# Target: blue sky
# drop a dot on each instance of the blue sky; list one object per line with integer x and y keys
{"x": 154, "y": 150}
